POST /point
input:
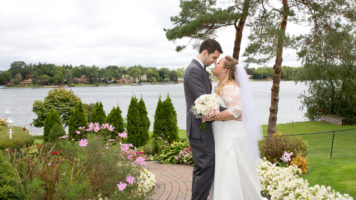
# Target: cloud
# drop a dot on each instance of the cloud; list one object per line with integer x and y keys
{"x": 89, "y": 32}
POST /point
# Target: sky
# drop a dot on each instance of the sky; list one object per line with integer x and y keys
{"x": 99, "y": 32}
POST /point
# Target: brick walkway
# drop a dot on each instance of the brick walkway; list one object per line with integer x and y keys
{"x": 174, "y": 182}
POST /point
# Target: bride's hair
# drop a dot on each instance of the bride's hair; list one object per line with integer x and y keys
{"x": 229, "y": 64}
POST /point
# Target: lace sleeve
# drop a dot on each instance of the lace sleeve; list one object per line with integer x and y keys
{"x": 231, "y": 97}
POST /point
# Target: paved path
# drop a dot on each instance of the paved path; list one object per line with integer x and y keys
{"x": 174, "y": 182}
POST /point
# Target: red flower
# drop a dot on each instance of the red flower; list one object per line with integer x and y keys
{"x": 54, "y": 153}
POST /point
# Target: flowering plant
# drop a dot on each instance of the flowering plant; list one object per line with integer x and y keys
{"x": 206, "y": 105}
{"x": 287, "y": 183}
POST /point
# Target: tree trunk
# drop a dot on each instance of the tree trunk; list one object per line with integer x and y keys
{"x": 272, "y": 121}
{"x": 239, "y": 29}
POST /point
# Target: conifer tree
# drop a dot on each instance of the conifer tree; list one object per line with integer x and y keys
{"x": 144, "y": 120}
{"x": 158, "y": 126}
{"x": 115, "y": 119}
{"x": 133, "y": 124}
{"x": 171, "y": 121}
{"x": 52, "y": 118}
{"x": 77, "y": 119}
{"x": 56, "y": 131}
{"x": 98, "y": 114}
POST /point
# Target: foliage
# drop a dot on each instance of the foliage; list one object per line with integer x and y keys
{"x": 88, "y": 109}
{"x": 329, "y": 72}
{"x": 9, "y": 186}
{"x": 115, "y": 118}
{"x": 20, "y": 138}
{"x": 61, "y": 100}
{"x": 64, "y": 170}
{"x": 77, "y": 119}
{"x": 98, "y": 114}
{"x": 56, "y": 131}
{"x": 52, "y": 118}
{"x": 177, "y": 153}
{"x": 273, "y": 148}
{"x": 165, "y": 124}
{"x": 135, "y": 136}
{"x": 300, "y": 162}
{"x": 144, "y": 120}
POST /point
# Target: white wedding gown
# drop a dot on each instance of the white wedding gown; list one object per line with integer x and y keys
{"x": 235, "y": 170}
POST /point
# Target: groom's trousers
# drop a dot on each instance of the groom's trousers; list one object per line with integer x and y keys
{"x": 203, "y": 151}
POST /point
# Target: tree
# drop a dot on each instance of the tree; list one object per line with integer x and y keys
{"x": 52, "y": 118}
{"x": 56, "y": 131}
{"x": 134, "y": 135}
{"x": 77, "y": 119}
{"x": 329, "y": 72}
{"x": 98, "y": 114}
{"x": 5, "y": 77}
{"x": 200, "y": 19}
{"x": 144, "y": 120}
{"x": 269, "y": 38}
{"x": 165, "y": 124}
{"x": 62, "y": 100}
{"x": 115, "y": 119}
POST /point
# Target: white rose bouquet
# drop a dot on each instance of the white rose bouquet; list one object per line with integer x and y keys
{"x": 206, "y": 105}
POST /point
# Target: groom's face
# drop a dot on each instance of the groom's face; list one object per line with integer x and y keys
{"x": 211, "y": 58}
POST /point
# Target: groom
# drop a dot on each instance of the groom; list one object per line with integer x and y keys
{"x": 196, "y": 83}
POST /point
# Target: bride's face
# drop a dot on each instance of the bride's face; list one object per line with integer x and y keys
{"x": 219, "y": 70}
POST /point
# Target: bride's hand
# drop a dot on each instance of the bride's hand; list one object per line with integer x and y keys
{"x": 206, "y": 119}
{"x": 239, "y": 118}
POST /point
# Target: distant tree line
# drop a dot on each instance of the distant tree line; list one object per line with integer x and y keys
{"x": 50, "y": 74}
{"x": 263, "y": 73}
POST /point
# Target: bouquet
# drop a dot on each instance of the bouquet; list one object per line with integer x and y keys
{"x": 206, "y": 105}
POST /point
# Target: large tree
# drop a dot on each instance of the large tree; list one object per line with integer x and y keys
{"x": 200, "y": 19}
{"x": 269, "y": 37}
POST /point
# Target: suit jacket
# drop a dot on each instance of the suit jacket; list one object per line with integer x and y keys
{"x": 196, "y": 83}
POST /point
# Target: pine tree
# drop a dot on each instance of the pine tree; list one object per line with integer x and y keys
{"x": 98, "y": 114}
{"x": 115, "y": 119}
{"x": 51, "y": 118}
{"x": 165, "y": 125}
{"x": 56, "y": 131}
{"x": 171, "y": 122}
{"x": 158, "y": 126}
{"x": 133, "y": 124}
{"x": 145, "y": 121}
{"x": 77, "y": 119}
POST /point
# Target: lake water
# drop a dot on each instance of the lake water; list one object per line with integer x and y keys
{"x": 19, "y": 101}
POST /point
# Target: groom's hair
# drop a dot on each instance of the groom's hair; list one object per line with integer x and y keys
{"x": 210, "y": 45}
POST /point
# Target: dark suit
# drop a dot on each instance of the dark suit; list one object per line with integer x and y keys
{"x": 197, "y": 83}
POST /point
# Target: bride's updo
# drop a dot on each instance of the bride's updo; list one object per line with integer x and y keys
{"x": 229, "y": 64}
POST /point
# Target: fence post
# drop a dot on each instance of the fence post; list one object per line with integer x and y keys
{"x": 332, "y": 145}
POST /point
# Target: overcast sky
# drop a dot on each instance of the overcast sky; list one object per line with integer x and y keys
{"x": 97, "y": 32}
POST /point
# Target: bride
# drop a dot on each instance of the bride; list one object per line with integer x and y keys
{"x": 236, "y": 136}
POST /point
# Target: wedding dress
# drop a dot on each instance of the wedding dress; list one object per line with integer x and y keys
{"x": 235, "y": 170}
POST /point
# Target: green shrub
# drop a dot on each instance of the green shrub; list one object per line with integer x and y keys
{"x": 134, "y": 133}
{"x": 76, "y": 120}
{"x": 52, "y": 118}
{"x": 56, "y": 132}
{"x": 165, "y": 124}
{"x": 20, "y": 138}
{"x": 115, "y": 119}
{"x": 9, "y": 187}
{"x": 177, "y": 153}
{"x": 278, "y": 144}
{"x": 98, "y": 114}
{"x": 144, "y": 121}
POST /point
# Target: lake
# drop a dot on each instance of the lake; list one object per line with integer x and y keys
{"x": 19, "y": 101}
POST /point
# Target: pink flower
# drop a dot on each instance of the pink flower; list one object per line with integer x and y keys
{"x": 110, "y": 128}
{"x": 90, "y": 127}
{"x": 125, "y": 147}
{"x": 140, "y": 161}
{"x": 96, "y": 129}
{"x": 130, "y": 179}
{"x": 83, "y": 142}
{"x": 78, "y": 132}
{"x": 286, "y": 157}
{"x": 121, "y": 186}
{"x": 176, "y": 157}
{"x": 123, "y": 135}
